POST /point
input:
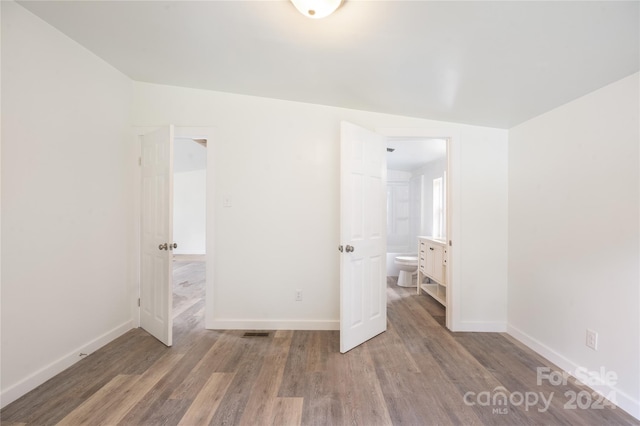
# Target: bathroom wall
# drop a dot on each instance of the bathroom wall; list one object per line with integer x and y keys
{"x": 400, "y": 217}
{"x": 416, "y": 210}
{"x": 398, "y": 211}
{"x": 428, "y": 173}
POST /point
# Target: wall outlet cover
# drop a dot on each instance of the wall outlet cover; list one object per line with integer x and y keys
{"x": 592, "y": 340}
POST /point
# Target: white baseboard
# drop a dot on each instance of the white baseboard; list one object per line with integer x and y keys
{"x": 237, "y": 324}
{"x": 29, "y": 383}
{"x": 481, "y": 326}
{"x": 622, "y": 400}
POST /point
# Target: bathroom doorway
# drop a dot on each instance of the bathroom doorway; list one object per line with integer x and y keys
{"x": 416, "y": 207}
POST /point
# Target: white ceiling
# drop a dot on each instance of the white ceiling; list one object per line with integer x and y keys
{"x": 487, "y": 63}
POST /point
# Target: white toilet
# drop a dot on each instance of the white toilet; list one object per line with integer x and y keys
{"x": 408, "y": 266}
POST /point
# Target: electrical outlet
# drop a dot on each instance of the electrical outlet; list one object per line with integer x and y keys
{"x": 298, "y": 295}
{"x": 592, "y": 339}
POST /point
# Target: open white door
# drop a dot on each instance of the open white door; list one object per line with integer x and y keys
{"x": 156, "y": 241}
{"x": 363, "y": 280}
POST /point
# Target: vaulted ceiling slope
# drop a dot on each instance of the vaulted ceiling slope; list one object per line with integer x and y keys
{"x": 495, "y": 64}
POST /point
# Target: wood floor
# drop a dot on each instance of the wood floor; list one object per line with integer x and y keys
{"x": 416, "y": 373}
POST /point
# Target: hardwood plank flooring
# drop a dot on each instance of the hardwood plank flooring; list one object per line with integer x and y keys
{"x": 416, "y": 373}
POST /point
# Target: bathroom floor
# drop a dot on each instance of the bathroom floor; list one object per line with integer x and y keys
{"x": 435, "y": 309}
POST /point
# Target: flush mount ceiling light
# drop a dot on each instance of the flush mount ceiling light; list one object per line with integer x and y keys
{"x": 316, "y": 9}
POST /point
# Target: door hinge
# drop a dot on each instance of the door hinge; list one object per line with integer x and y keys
{"x": 450, "y": 244}
{"x": 138, "y": 302}
{"x": 139, "y": 161}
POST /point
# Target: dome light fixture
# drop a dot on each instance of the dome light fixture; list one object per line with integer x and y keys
{"x": 316, "y": 9}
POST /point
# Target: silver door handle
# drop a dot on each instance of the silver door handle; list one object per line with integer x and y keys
{"x": 340, "y": 249}
{"x": 163, "y": 247}
{"x": 349, "y": 249}
{"x": 172, "y": 246}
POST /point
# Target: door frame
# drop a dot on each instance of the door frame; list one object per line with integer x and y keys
{"x": 452, "y": 136}
{"x": 195, "y": 132}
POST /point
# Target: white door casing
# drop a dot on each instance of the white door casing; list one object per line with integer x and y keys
{"x": 156, "y": 237}
{"x": 363, "y": 281}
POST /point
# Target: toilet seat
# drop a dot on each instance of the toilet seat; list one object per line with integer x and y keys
{"x": 407, "y": 260}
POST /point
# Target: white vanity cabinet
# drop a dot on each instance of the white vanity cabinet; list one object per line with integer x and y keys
{"x": 432, "y": 264}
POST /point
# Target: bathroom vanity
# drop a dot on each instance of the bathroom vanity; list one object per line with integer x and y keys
{"x": 432, "y": 268}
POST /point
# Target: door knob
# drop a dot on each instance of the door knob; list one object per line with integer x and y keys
{"x": 340, "y": 249}
{"x": 349, "y": 249}
{"x": 172, "y": 246}
{"x": 163, "y": 247}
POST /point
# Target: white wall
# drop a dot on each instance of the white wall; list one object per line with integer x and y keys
{"x": 279, "y": 163}
{"x": 398, "y": 176}
{"x": 483, "y": 227}
{"x": 399, "y": 215}
{"x": 399, "y": 239}
{"x": 66, "y": 219}
{"x": 574, "y": 234}
{"x": 189, "y": 206}
{"x": 189, "y": 197}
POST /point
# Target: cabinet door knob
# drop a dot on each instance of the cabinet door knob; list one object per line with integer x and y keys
{"x": 349, "y": 249}
{"x": 340, "y": 249}
{"x": 431, "y": 248}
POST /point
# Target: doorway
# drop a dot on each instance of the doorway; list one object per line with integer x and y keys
{"x": 363, "y": 233}
{"x": 416, "y": 207}
{"x": 189, "y": 223}
{"x": 416, "y": 201}
{"x": 200, "y": 242}
{"x": 416, "y": 189}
